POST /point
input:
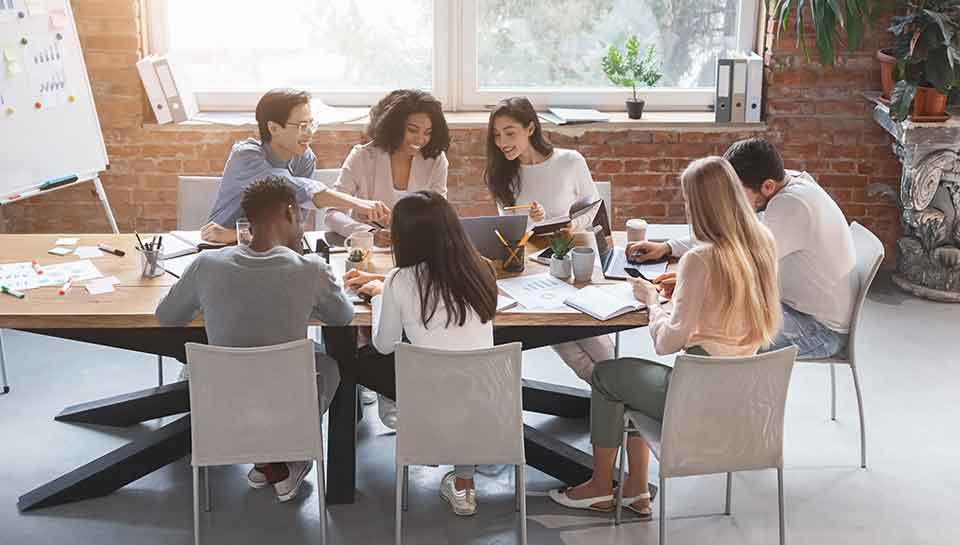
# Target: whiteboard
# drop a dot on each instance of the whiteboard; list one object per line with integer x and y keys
{"x": 48, "y": 122}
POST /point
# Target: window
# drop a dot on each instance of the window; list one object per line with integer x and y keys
{"x": 469, "y": 53}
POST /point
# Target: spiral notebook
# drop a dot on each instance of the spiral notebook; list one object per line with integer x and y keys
{"x": 606, "y": 302}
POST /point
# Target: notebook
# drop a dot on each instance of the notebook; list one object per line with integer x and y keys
{"x": 606, "y": 302}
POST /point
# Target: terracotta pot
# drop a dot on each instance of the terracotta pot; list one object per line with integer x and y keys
{"x": 886, "y": 72}
{"x": 929, "y": 102}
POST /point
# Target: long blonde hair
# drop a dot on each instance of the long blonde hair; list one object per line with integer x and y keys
{"x": 741, "y": 252}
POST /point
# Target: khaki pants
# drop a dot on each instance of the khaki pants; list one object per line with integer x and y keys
{"x": 582, "y": 355}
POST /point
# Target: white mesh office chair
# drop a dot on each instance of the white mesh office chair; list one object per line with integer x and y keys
{"x": 232, "y": 423}
{"x": 481, "y": 421}
{"x": 721, "y": 415}
{"x": 870, "y": 254}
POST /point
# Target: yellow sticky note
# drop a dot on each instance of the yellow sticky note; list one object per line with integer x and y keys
{"x": 10, "y": 59}
{"x": 37, "y": 7}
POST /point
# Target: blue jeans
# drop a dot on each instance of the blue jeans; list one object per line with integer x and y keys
{"x": 815, "y": 340}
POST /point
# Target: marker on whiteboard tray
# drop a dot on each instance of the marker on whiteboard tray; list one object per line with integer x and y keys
{"x": 57, "y": 182}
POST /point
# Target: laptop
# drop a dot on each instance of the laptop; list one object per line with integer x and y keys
{"x": 480, "y": 231}
{"x": 616, "y": 266}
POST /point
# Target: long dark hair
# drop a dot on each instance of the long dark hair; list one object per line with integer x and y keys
{"x": 388, "y": 121}
{"x": 503, "y": 176}
{"x": 427, "y": 234}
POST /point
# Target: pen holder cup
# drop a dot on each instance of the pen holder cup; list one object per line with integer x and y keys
{"x": 150, "y": 263}
{"x": 515, "y": 260}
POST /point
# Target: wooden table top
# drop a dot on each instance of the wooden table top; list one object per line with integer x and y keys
{"x": 134, "y": 300}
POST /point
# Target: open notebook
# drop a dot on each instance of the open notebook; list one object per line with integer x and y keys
{"x": 605, "y": 302}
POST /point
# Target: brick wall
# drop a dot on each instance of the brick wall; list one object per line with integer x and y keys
{"x": 816, "y": 117}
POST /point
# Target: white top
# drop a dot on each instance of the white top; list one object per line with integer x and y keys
{"x": 697, "y": 317}
{"x": 557, "y": 182}
{"x": 815, "y": 249}
{"x": 397, "y": 311}
{"x": 366, "y": 173}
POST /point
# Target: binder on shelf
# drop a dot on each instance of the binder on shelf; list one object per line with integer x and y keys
{"x": 151, "y": 84}
{"x": 754, "y": 88}
{"x": 739, "y": 99}
{"x": 724, "y": 84}
{"x": 180, "y": 99}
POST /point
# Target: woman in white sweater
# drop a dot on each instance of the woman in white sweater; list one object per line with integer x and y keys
{"x": 726, "y": 303}
{"x": 524, "y": 168}
{"x": 409, "y": 138}
{"x": 442, "y": 294}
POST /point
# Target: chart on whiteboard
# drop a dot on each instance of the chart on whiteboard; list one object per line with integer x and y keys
{"x": 48, "y": 82}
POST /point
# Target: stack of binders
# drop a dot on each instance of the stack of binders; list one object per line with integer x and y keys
{"x": 171, "y": 100}
{"x": 739, "y": 88}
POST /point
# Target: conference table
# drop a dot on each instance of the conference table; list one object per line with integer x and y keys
{"x": 124, "y": 318}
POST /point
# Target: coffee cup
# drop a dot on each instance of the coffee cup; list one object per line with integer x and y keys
{"x": 584, "y": 259}
{"x": 636, "y": 230}
{"x": 360, "y": 239}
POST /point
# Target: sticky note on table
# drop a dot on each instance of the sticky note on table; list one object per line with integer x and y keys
{"x": 87, "y": 252}
{"x": 66, "y": 242}
{"x": 102, "y": 285}
{"x": 59, "y": 251}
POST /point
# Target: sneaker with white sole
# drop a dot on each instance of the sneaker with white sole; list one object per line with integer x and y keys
{"x": 388, "y": 412}
{"x": 462, "y": 502}
{"x": 257, "y": 479}
{"x": 287, "y": 489}
{"x": 367, "y": 396}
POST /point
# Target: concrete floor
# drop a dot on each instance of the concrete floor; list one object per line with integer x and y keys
{"x": 910, "y": 371}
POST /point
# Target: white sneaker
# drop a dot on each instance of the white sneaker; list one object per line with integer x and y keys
{"x": 257, "y": 479}
{"x": 388, "y": 412}
{"x": 462, "y": 502}
{"x": 367, "y": 396}
{"x": 287, "y": 489}
{"x": 184, "y": 373}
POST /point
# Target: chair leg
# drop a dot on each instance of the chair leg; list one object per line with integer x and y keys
{"x": 196, "y": 505}
{"x": 517, "y": 477}
{"x": 663, "y": 511}
{"x": 159, "y": 370}
{"x": 616, "y": 345}
{"x": 863, "y": 430}
{"x": 523, "y": 504}
{"x": 833, "y": 392}
{"x": 726, "y": 509}
{"x": 207, "y": 503}
{"x": 4, "y": 387}
{"x": 401, "y": 471}
{"x": 322, "y": 493}
{"x": 783, "y": 536}
{"x": 623, "y": 463}
{"x": 406, "y": 488}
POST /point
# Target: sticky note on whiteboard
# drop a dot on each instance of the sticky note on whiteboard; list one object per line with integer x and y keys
{"x": 12, "y": 62}
{"x": 37, "y": 7}
{"x": 58, "y": 19}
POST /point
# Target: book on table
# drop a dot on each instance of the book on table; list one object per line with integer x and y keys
{"x": 605, "y": 302}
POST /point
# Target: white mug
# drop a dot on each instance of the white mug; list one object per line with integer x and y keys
{"x": 636, "y": 230}
{"x": 360, "y": 239}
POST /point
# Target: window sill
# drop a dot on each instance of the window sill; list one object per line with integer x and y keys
{"x": 700, "y": 121}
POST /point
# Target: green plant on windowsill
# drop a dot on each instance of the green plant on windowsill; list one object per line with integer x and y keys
{"x": 629, "y": 69}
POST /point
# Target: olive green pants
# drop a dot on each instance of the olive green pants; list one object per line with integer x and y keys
{"x": 636, "y": 383}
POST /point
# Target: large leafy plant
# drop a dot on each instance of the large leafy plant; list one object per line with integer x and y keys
{"x": 927, "y": 48}
{"x": 834, "y": 21}
{"x": 629, "y": 69}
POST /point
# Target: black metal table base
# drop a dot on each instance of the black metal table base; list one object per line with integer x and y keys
{"x": 172, "y": 441}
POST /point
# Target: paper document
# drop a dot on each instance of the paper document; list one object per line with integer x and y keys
{"x": 539, "y": 291}
{"x": 102, "y": 285}
{"x": 177, "y": 265}
{"x": 87, "y": 252}
{"x": 174, "y": 247}
{"x": 66, "y": 241}
{"x": 22, "y": 276}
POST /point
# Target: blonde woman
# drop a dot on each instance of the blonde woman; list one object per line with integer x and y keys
{"x": 726, "y": 303}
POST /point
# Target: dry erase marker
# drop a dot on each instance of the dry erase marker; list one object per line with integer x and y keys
{"x": 36, "y": 267}
{"x": 66, "y": 286}
{"x": 110, "y": 249}
{"x": 15, "y": 293}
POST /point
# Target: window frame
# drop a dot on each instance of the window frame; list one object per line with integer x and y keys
{"x": 454, "y": 78}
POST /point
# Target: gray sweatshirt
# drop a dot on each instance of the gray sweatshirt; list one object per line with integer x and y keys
{"x": 253, "y": 298}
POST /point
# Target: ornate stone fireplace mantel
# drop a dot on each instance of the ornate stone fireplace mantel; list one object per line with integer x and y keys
{"x": 928, "y": 257}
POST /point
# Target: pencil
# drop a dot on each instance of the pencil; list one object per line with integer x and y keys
{"x": 525, "y": 238}
{"x": 503, "y": 240}
{"x": 519, "y": 207}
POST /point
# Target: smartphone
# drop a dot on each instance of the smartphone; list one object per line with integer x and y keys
{"x": 635, "y": 273}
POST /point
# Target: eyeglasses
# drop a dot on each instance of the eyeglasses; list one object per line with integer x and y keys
{"x": 306, "y": 126}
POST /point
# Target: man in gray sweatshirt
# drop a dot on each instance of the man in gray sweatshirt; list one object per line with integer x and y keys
{"x": 264, "y": 294}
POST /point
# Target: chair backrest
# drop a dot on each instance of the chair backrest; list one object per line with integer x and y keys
{"x": 253, "y": 404}
{"x": 606, "y": 193}
{"x": 725, "y": 414}
{"x": 195, "y": 198}
{"x": 869, "y": 257}
{"x": 459, "y": 407}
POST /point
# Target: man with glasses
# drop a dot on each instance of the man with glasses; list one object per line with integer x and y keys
{"x": 286, "y": 128}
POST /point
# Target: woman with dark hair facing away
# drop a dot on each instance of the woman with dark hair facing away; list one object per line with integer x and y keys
{"x": 409, "y": 138}
{"x": 443, "y": 294}
{"x": 524, "y": 168}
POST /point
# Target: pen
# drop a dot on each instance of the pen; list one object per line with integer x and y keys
{"x": 503, "y": 240}
{"x": 160, "y": 242}
{"x": 66, "y": 286}
{"x": 15, "y": 293}
{"x": 138, "y": 240}
{"x": 36, "y": 267}
{"x": 110, "y": 249}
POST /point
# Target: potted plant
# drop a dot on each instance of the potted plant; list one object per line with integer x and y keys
{"x": 561, "y": 266}
{"x": 629, "y": 69}
{"x": 831, "y": 20}
{"x": 927, "y": 48}
{"x": 355, "y": 259}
